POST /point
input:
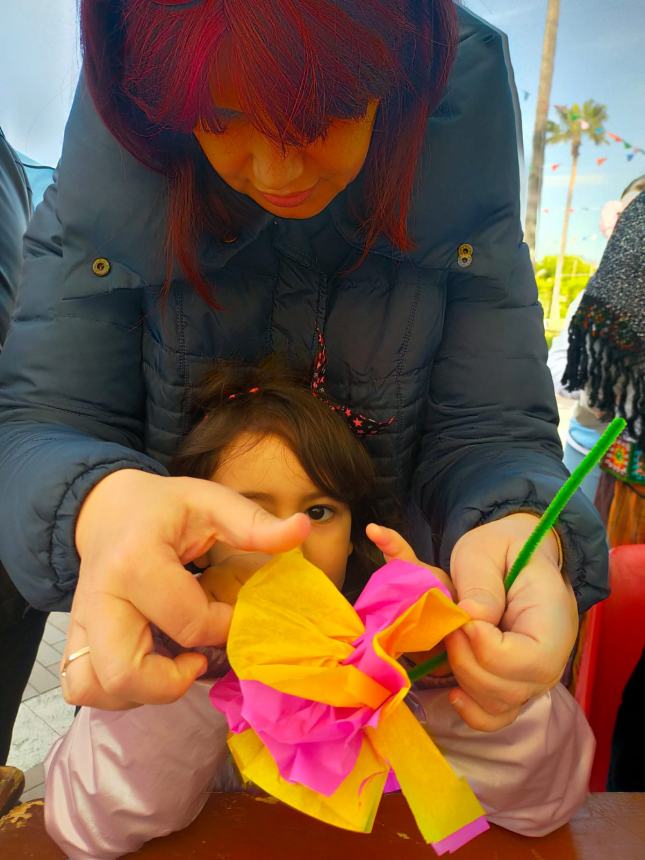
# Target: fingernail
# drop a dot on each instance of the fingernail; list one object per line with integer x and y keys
{"x": 457, "y": 702}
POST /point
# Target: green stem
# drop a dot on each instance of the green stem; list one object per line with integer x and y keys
{"x": 544, "y": 526}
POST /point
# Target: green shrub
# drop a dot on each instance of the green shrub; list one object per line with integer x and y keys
{"x": 575, "y": 276}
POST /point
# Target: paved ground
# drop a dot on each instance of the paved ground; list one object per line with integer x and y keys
{"x": 44, "y": 715}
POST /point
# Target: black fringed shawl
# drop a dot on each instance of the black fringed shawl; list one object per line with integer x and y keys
{"x": 606, "y": 354}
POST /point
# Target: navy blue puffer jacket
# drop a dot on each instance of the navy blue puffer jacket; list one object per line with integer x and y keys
{"x": 97, "y": 376}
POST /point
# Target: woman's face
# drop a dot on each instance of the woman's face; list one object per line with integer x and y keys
{"x": 299, "y": 183}
{"x": 267, "y": 471}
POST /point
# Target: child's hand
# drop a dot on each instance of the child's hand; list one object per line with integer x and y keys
{"x": 393, "y": 546}
{"x": 222, "y": 581}
{"x": 518, "y": 644}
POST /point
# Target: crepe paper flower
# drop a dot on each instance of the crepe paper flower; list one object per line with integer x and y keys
{"x": 315, "y": 699}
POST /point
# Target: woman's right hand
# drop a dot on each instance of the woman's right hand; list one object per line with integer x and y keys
{"x": 134, "y": 534}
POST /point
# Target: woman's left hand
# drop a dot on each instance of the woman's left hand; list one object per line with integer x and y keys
{"x": 517, "y": 645}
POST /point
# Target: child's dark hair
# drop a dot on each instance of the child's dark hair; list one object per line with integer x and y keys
{"x": 270, "y": 400}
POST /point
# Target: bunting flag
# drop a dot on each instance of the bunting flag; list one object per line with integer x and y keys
{"x": 573, "y": 117}
{"x": 551, "y": 210}
{"x": 631, "y": 150}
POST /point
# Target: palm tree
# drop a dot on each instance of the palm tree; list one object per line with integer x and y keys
{"x": 575, "y": 123}
{"x": 541, "y": 115}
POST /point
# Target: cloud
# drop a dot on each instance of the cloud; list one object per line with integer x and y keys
{"x": 561, "y": 180}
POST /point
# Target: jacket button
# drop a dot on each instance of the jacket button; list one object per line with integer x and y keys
{"x": 229, "y": 240}
{"x": 465, "y": 255}
{"x": 101, "y": 267}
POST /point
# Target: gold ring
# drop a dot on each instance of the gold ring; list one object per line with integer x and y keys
{"x": 80, "y": 653}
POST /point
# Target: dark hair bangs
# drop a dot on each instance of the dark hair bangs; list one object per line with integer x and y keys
{"x": 295, "y": 67}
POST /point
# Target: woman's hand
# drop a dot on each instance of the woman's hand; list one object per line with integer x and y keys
{"x": 517, "y": 645}
{"x": 134, "y": 534}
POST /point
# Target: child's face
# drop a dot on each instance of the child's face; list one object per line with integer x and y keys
{"x": 269, "y": 473}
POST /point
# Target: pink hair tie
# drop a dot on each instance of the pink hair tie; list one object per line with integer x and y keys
{"x": 253, "y": 390}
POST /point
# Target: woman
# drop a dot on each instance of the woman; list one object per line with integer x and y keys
{"x": 283, "y": 154}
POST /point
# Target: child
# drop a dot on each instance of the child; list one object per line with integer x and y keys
{"x": 119, "y": 779}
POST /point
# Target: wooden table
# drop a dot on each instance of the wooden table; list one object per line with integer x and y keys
{"x": 241, "y": 827}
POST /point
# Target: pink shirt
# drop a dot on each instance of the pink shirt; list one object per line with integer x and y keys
{"x": 120, "y": 778}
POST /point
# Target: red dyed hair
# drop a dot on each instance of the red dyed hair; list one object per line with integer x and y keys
{"x": 296, "y": 65}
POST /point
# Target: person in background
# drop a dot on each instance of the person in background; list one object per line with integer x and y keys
{"x": 586, "y": 425}
{"x": 606, "y": 360}
{"x": 21, "y": 626}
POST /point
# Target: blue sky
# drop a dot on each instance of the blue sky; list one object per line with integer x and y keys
{"x": 600, "y": 56}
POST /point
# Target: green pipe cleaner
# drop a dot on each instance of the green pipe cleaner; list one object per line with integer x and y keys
{"x": 544, "y": 526}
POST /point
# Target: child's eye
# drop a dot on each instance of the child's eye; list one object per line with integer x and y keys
{"x": 320, "y": 513}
